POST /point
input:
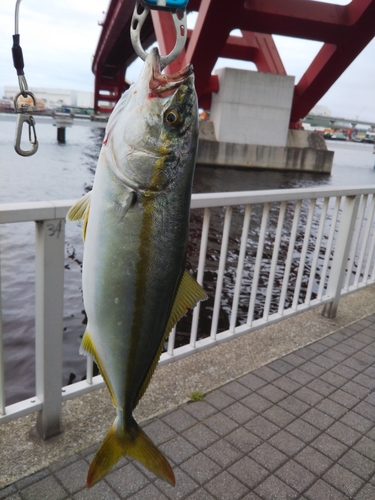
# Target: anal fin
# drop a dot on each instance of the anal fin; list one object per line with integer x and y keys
{"x": 189, "y": 293}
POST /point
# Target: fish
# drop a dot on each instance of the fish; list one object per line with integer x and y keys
{"x": 135, "y": 231}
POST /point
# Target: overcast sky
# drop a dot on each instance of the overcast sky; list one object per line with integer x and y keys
{"x": 59, "y": 38}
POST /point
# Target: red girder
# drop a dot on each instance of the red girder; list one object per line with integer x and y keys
{"x": 344, "y": 30}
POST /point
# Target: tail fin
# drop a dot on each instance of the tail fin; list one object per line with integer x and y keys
{"x": 134, "y": 443}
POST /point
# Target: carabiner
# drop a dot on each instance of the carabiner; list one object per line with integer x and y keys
{"x": 24, "y": 116}
{"x": 179, "y": 20}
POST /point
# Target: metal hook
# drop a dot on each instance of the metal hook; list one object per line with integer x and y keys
{"x": 179, "y": 20}
{"x": 24, "y": 116}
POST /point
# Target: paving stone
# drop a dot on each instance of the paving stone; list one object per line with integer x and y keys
{"x": 158, "y": 431}
{"x": 73, "y": 477}
{"x": 329, "y": 446}
{"x": 295, "y": 476}
{"x": 313, "y": 460}
{"x": 256, "y": 403}
{"x": 294, "y": 405}
{"x": 318, "y": 419}
{"x": 244, "y": 440}
{"x": 179, "y": 420}
{"x": 184, "y": 486}
{"x": 200, "y": 410}
{"x": 236, "y": 390}
{"x": 321, "y": 387}
{"x": 8, "y": 492}
{"x": 275, "y": 489}
{"x": 178, "y": 449}
{"x": 248, "y": 472}
{"x": 286, "y": 443}
{"x": 221, "y": 424}
{"x": 281, "y": 366}
{"x": 200, "y": 494}
{"x": 356, "y": 390}
{"x": 366, "y": 493}
{"x": 365, "y": 358}
{"x": 356, "y": 344}
{"x": 303, "y": 430}
{"x": 366, "y": 410}
{"x": 239, "y": 413}
{"x": 201, "y": 468}
{"x": 366, "y": 446}
{"x": 344, "y": 399}
{"x": 15, "y": 496}
{"x": 101, "y": 491}
{"x": 355, "y": 364}
{"x": 262, "y": 427}
{"x": 149, "y": 493}
{"x": 344, "y": 480}
{"x": 300, "y": 376}
{"x": 43, "y": 489}
{"x": 343, "y": 433}
{"x": 306, "y": 353}
{"x": 293, "y": 359}
{"x": 335, "y": 355}
{"x": 33, "y": 478}
{"x": 127, "y": 480}
{"x": 333, "y": 378}
{"x": 286, "y": 384}
{"x": 324, "y": 362}
{"x": 278, "y": 416}
{"x": 64, "y": 462}
{"x": 317, "y": 347}
{"x": 219, "y": 399}
{"x": 226, "y": 487}
{"x": 324, "y": 491}
{"x": 308, "y": 396}
{"x": 331, "y": 408}
{"x": 363, "y": 337}
{"x": 345, "y": 349}
{"x": 358, "y": 464}
{"x": 252, "y": 381}
{"x": 313, "y": 369}
{"x": 200, "y": 436}
{"x": 268, "y": 456}
{"x": 251, "y": 496}
{"x": 266, "y": 373}
{"x": 344, "y": 371}
{"x": 272, "y": 393}
{"x": 328, "y": 341}
{"x": 223, "y": 453}
{"x": 357, "y": 422}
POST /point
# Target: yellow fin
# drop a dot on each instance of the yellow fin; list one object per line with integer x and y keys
{"x": 79, "y": 211}
{"x": 188, "y": 295}
{"x": 134, "y": 443}
{"x": 88, "y": 348}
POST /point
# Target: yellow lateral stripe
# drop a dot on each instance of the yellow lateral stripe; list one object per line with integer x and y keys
{"x": 88, "y": 347}
{"x": 189, "y": 293}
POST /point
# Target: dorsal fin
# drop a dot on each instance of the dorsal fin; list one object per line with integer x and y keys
{"x": 81, "y": 210}
{"x": 189, "y": 293}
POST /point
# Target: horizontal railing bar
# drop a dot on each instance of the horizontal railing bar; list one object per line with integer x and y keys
{"x": 21, "y": 409}
{"x": 81, "y": 388}
{"x": 39, "y": 210}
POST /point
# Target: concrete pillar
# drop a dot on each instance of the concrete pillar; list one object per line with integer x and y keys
{"x": 252, "y": 107}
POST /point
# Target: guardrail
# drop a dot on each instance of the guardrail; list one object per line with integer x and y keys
{"x": 262, "y": 256}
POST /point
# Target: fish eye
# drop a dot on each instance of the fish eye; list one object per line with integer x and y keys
{"x": 172, "y": 117}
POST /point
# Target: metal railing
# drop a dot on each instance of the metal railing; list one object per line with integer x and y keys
{"x": 262, "y": 256}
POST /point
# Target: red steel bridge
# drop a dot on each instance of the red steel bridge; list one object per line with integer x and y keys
{"x": 344, "y": 30}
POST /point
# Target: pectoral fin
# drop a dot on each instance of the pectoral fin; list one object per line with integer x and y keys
{"x": 80, "y": 211}
{"x": 189, "y": 293}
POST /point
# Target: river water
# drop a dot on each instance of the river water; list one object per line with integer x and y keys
{"x": 66, "y": 171}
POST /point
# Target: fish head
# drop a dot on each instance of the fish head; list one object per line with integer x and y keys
{"x": 153, "y": 131}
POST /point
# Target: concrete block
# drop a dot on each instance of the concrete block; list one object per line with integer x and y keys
{"x": 252, "y": 107}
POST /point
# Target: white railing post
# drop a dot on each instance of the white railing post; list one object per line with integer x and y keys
{"x": 49, "y": 310}
{"x": 2, "y": 376}
{"x": 341, "y": 253}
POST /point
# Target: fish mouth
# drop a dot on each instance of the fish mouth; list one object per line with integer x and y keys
{"x": 162, "y": 85}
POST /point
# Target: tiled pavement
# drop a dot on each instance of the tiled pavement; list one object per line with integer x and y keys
{"x": 302, "y": 427}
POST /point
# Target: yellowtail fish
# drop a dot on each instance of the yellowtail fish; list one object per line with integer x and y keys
{"x": 135, "y": 228}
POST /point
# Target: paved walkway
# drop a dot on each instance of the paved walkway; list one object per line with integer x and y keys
{"x": 302, "y": 427}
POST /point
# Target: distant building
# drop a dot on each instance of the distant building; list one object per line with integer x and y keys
{"x": 56, "y": 98}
